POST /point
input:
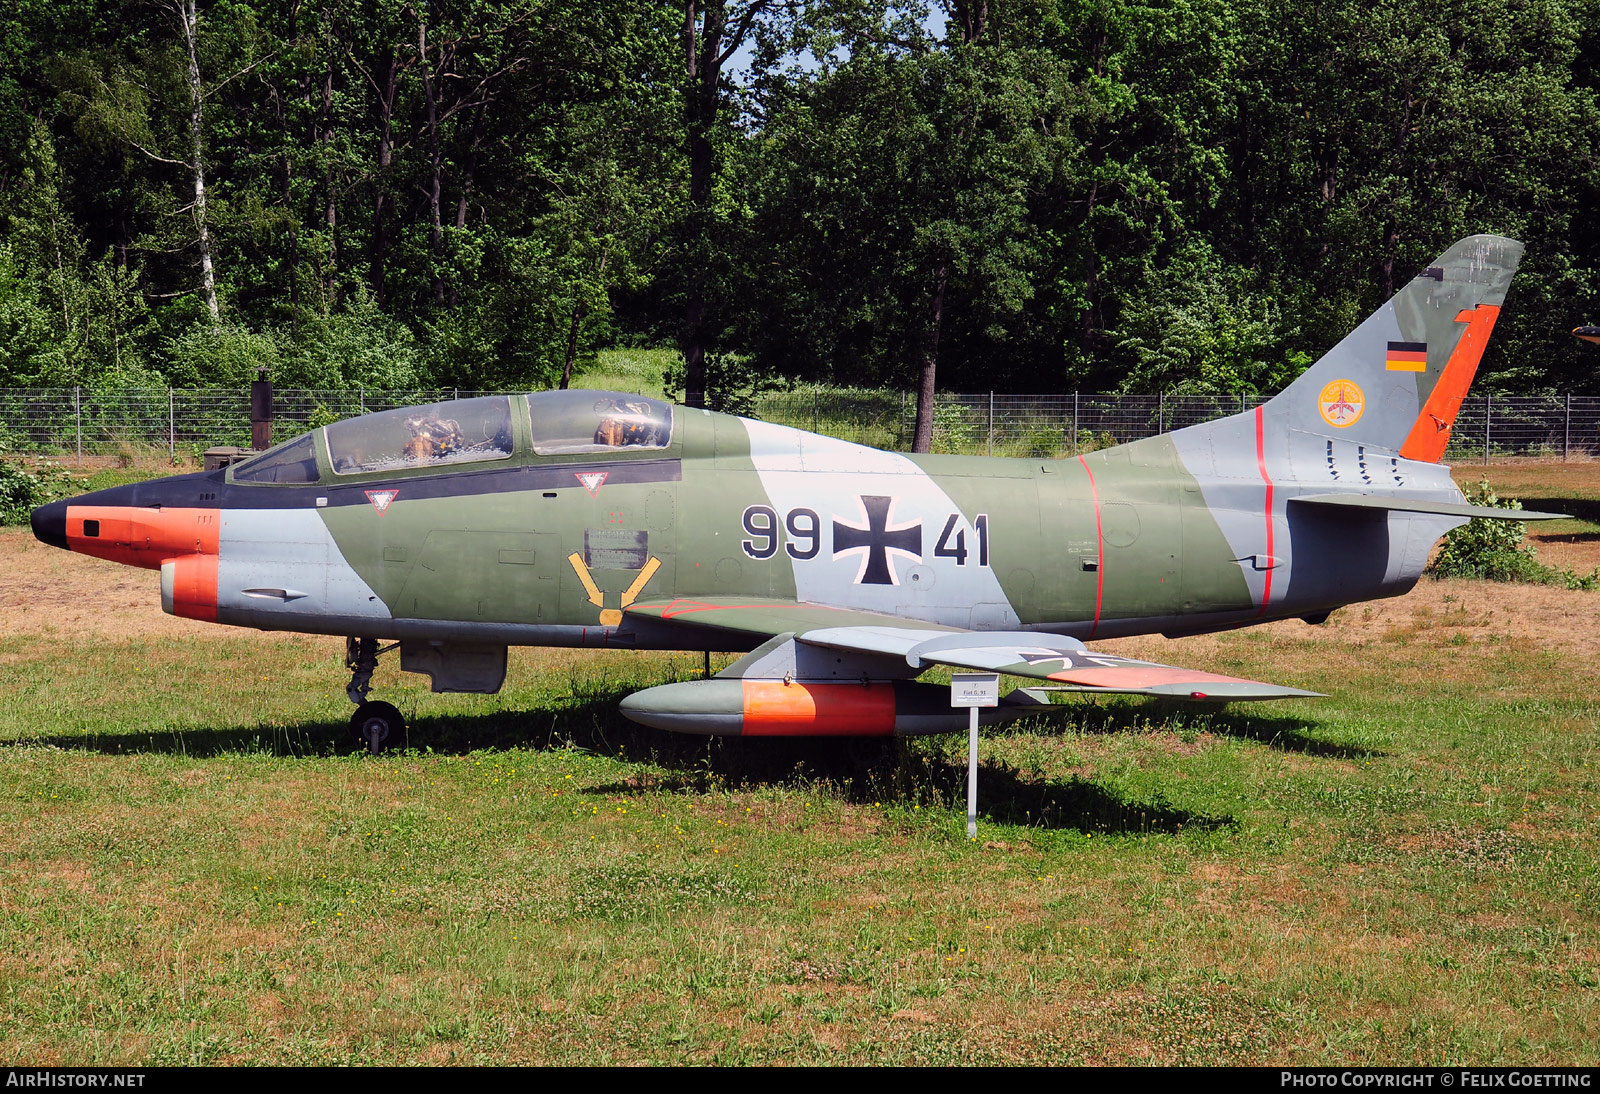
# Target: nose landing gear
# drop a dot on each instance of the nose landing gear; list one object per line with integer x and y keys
{"x": 376, "y": 724}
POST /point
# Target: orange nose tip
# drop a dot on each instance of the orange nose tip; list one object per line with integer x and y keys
{"x": 140, "y": 536}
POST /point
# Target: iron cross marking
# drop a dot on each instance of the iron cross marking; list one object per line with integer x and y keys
{"x": 876, "y": 540}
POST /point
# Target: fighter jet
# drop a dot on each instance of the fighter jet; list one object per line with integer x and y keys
{"x": 841, "y": 572}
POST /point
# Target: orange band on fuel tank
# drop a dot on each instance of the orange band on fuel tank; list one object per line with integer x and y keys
{"x": 193, "y": 585}
{"x": 139, "y": 536}
{"x": 775, "y": 709}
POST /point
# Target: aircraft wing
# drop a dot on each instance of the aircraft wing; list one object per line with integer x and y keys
{"x": 1054, "y": 659}
{"x": 1392, "y": 504}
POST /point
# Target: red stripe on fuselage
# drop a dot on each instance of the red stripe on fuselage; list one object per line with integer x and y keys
{"x": 1099, "y": 547}
{"x": 1261, "y": 463}
{"x": 690, "y": 607}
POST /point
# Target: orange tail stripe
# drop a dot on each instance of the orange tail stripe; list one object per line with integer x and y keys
{"x": 775, "y": 709}
{"x": 1431, "y": 431}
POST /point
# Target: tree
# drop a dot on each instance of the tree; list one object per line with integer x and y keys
{"x": 112, "y": 103}
{"x": 897, "y": 181}
{"x": 713, "y": 31}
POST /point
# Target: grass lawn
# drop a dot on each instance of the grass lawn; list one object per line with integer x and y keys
{"x": 197, "y": 867}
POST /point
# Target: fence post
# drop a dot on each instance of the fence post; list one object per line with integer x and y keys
{"x": 1241, "y": 402}
{"x": 1074, "y": 423}
{"x": 900, "y": 426}
{"x": 991, "y": 423}
{"x": 77, "y": 419}
{"x": 1566, "y": 431}
{"x": 1488, "y": 412}
{"x": 1161, "y": 411}
{"x": 172, "y": 428}
{"x": 813, "y": 410}
{"x": 361, "y": 399}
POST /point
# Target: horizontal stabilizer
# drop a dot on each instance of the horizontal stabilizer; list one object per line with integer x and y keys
{"x": 1393, "y": 504}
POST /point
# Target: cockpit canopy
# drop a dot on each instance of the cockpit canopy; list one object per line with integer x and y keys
{"x": 462, "y": 431}
{"x": 466, "y": 431}
{"x": 594, "y": 421}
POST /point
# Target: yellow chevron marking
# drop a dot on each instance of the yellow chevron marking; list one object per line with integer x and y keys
{"x": 632, "y": 592}
{"x": 610, "y": 617}
{"x": 589, "y": 586}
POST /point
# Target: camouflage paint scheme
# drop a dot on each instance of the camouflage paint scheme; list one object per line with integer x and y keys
{"x": 845, "y": 570}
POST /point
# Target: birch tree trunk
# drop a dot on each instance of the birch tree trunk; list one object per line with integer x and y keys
{"x": 185, "y": 10}
{"x": 435, "y": 163}
{"x": 380, "y": 222}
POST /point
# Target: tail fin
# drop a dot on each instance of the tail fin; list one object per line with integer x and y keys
{"x": 1397, "y": 381}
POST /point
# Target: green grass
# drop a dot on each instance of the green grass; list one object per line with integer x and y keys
{"x": 195, "y": 867}
{"x": 638, "y": 371}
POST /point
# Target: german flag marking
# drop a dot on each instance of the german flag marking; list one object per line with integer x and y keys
{"x": 1407, "y": 357}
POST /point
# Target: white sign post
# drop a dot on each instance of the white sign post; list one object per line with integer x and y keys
{"x": 973, "y": 690}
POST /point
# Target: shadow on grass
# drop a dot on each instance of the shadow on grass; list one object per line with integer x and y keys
{"x": 591, "y": 723}
{"x": 1239, "y": 721}
{"x": 857, "y": 770}
{"x": 1586, "y": 509}
{"x": 1012, "y": 796}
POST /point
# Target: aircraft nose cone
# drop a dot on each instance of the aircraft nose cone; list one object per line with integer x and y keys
{"x": 50, "y": 524}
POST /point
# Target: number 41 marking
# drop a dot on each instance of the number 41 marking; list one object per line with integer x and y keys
{"x": 958, "y": 550}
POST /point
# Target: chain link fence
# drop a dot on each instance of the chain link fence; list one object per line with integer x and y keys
{"x": 81, "y": 421}
{"x": 1053, "y": 426}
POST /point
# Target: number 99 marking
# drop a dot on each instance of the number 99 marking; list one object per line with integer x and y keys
{"x": 804, "y": 524}
{"x": 761, "y": 523}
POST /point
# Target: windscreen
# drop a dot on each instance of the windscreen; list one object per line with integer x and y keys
{"x": 597, "y": 421}
{"x": 463, "y": 431}
{"x": 290, "y": 462}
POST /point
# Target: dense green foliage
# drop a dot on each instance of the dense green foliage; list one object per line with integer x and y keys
{"x": 26, "y": 485}
{"x": 1025, "y": 194}
{"x": 1494, "y": 550}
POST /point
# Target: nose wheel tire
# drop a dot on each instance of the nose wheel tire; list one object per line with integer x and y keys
{"x": 378, "y": 726}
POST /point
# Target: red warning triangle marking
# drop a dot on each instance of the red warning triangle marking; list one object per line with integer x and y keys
{"x": 381, "y": 499}
{"x": 592, "y": 480}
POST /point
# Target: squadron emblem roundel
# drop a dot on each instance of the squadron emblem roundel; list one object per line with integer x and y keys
{"x": 1341, "y": 403}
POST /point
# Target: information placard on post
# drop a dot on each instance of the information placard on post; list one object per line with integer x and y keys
{"x": 973, "y": 690}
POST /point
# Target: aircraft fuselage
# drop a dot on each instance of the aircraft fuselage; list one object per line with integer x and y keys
{"x": 529, "y": 548}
